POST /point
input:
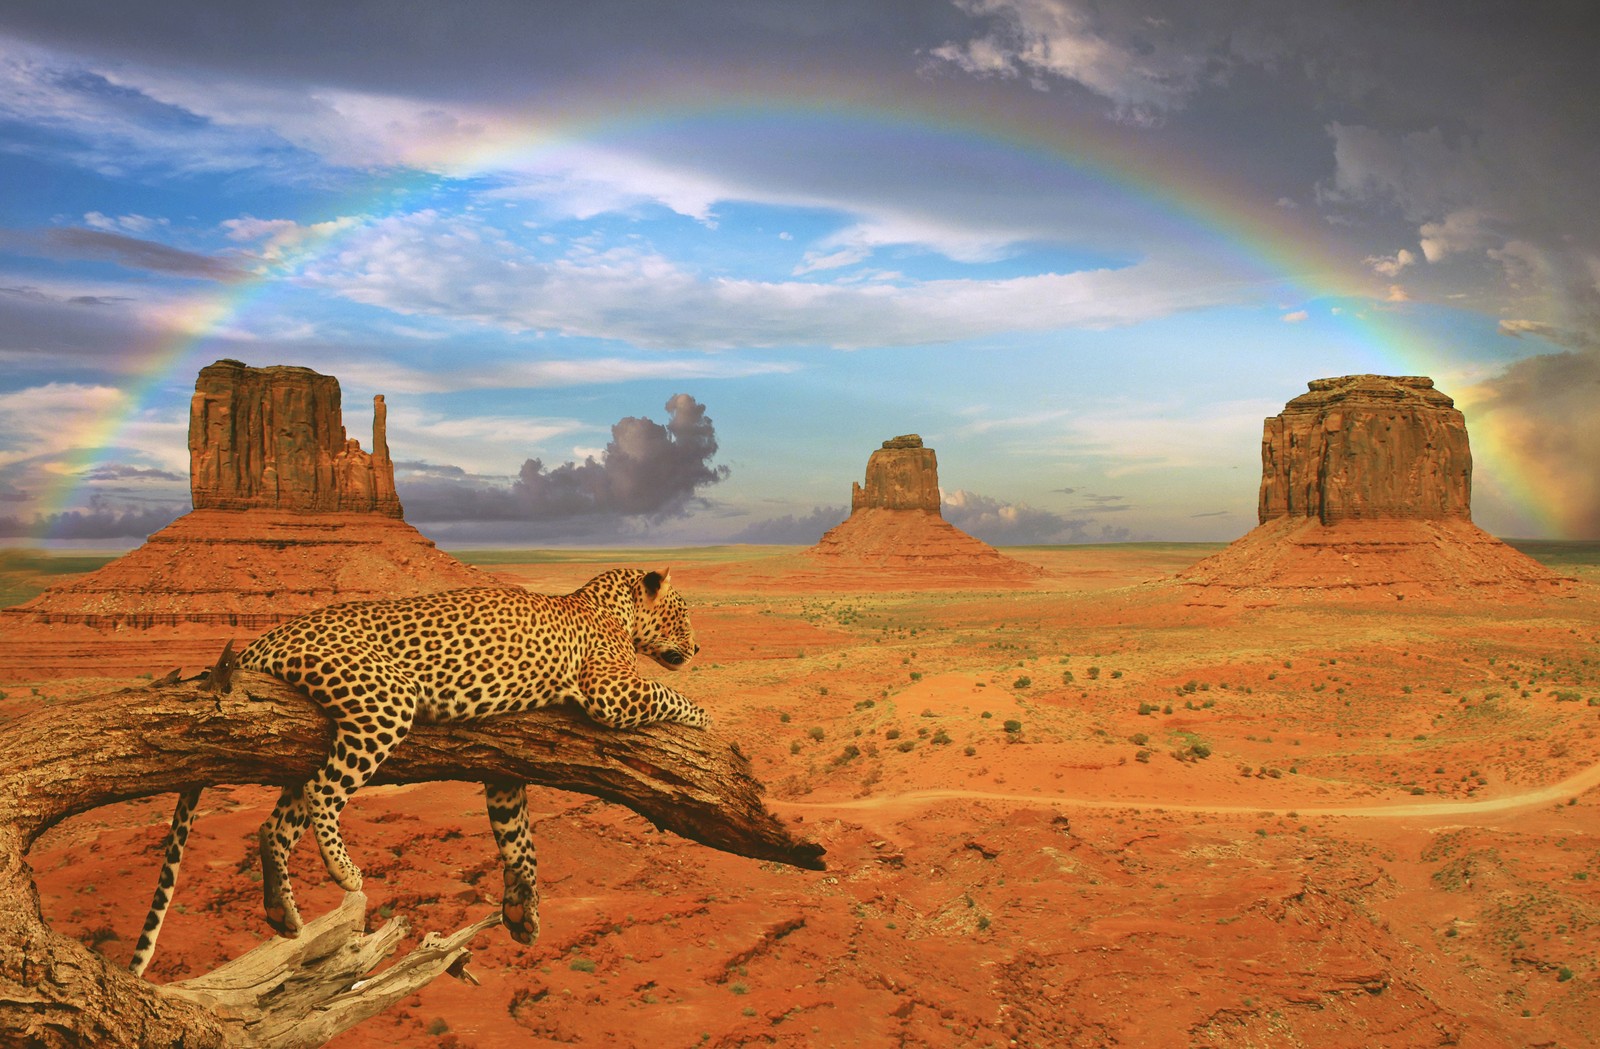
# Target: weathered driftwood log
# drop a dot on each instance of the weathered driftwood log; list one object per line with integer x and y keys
{"x": 74, "y": 756}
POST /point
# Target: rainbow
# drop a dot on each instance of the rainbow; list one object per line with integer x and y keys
{"x": 1208, "y": 205}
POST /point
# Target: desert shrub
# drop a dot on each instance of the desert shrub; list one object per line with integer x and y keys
{"x": 815, "y": 732}
{"x": 1146, "y": 709}
{"x": 893, "y": 733}
{"x": 1013, "y": 726}
{"x": 1139, "y": 739}
{"x": 1022, "y": 682}
{"x": 582, "y": 965}
{"x": 1144, "y": 756}
{"x": 849, "y": 753}
{"x": 905, "y": 745}
{"x": 941, "y": 737}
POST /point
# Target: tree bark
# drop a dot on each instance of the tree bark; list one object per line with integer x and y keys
{"x": 70, "y": 757}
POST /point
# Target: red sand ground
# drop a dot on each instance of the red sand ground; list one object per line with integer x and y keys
{"x": 1393, "y": 841}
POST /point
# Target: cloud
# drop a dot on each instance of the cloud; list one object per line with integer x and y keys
{"x": 1296, "y": 317}
{"x": 1143, "y": 69}
{"x": 1390, "y": 265}
{"x": 792, "y": 530}
{"x": 138, "y": 254}
{"x": 1539, "y": 415}
{"x": 100, "y": 521}
{"x": 462, "y": 268}
{"x": 648, "y": 472}
{"x": 1011, "y": 524}
{"x": 1419, "y": 171}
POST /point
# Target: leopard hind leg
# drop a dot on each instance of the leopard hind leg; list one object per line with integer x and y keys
{"x": 508, "y": 818}
{"x": 369, "y": 721}
{"x": 172, "y": 849}
{"x": 278, "y": 836}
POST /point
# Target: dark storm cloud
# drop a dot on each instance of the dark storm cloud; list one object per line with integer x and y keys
{"x": 472, "y": 46}
{"x": 648, "y": 472}
{"x": 100, "y": 521}
{"x": 138, "y": 254}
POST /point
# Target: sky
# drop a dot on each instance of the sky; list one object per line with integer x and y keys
{"x": 662, "y": 274}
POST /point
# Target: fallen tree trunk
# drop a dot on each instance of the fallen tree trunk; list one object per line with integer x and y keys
{"x": 74, "y": 756}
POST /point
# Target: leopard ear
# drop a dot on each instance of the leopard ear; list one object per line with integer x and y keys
{"x": 653, "y": 584}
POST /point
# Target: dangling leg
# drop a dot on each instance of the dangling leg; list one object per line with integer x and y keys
{"x": 177, "y": 838}
{"x": 278, "y": 836}
{"x": 508, "y": 818}
{"x": 361, "y": 741}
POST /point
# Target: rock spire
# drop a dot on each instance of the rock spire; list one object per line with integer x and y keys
{"x": 274, "y": 439}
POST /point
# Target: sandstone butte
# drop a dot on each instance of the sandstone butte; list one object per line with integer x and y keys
{"x": 289, "y": 514}
{"x": 1366, "y": 489}
{"x": 895, "y": 523}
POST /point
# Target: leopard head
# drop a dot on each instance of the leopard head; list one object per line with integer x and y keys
{"x": 661, "y": 628}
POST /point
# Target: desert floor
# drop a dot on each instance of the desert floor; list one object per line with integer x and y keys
{"x": 1079, "y": 812}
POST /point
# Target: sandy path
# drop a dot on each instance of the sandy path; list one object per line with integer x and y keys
{"x": 1570, "y": 787}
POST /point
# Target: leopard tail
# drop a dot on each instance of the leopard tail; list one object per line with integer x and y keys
{"x": 177, "y": 838}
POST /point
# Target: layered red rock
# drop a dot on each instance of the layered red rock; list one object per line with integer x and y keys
{"x": 895, "y": 523}
{"x": 1367, "y": 446}
{"x": 290, "y": 514}
{"x": 902, "y": 475}
{"x": 1366, "y": 488}
{"x": 274, "y": 439}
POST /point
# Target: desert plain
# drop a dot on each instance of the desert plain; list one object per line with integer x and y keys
{"x": 1096, "y": 807}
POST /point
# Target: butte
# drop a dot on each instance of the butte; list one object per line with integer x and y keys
{"x": 1366, "y": 490}
{"x": 895, "y": 523}
{"x": 288, "y": 515}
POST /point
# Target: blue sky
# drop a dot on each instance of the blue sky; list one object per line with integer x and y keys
{"x": 1082, "y": 248}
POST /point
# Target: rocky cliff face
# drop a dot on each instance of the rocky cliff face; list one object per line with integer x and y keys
{"x": 1367, "y": 446}
{"x": 1366, "y": 494}
{"x": 902, "y": 475}
{"x": 289, "y": 515}
{"x": 895, "y": 526}
{"x": 273, "y": 439}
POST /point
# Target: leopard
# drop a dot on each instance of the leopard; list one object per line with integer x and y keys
{"x": 379, "y": 667}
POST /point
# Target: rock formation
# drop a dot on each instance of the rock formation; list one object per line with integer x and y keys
{"x": 895, "y": 523}
{"x": 902, "y": 475}
{"x": 1366, "y": 488}
{"x": 289, "y": 514}
{"x": 1367, "y": 446}
{"x": 273, "y": 438}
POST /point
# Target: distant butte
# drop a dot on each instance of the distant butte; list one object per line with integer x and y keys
{"x": 1366, "y": 490}
{"x": 289, "y": 514}
{"x": 895, "y": 523}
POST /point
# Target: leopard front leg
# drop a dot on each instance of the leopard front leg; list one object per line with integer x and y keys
{"x": 615, "y": 694}
{"x": 508, "y": 818}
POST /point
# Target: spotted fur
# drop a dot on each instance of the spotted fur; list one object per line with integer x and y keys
{"x": 379, "y": 667}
